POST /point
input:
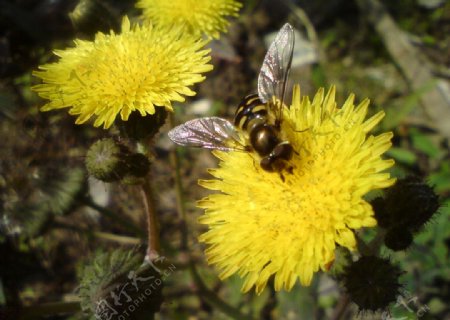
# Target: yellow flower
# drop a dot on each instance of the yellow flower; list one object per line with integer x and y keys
{"x": 198, "y": 16}
{"x": 260, "y": 226}
{"x": 136, "y": 70}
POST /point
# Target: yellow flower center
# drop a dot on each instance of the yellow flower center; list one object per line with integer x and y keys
{"x": 136, "y": 70}
{"x": 288, "y": 223}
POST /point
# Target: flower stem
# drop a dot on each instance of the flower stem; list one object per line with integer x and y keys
{"x": 125, "y": 240}
{"x": 366, "y": 249}
{"x": 341, "y": 307}
{"x": 267, "y": 312}
{"x": 113, "y": 216}
{"x": 212, "y": 298}
{"x": 154, "y": 246}
{"x": 301, "y": 15}
{"x": 49, "y": 309}
{"x": 373, "y": 247}
{"x": 377, "y": 242}
{"x": 208, "y": 295}
{"x": 179, "y": 194}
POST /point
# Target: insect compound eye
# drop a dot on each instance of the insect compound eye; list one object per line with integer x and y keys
{"x": 266, "y": 163}
{"x": 283, "y": 151}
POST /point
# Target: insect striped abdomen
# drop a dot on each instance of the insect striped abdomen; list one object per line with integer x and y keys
{"x": 251, "y": 108}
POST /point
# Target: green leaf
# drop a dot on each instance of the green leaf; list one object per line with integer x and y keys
{"x": 319, "y": 77}
{"x": 7, "y": 105}
{"x": 403, "y": 107}
{"x": 441, "y": 179}
{"x": 423, "y": 143}
{"x": 429, "y": 40}
{"x": 120, "y": 279}
{"x": 402, "y": 155}
{"x": 2, "y": 295}
{"x": 435, "y": 234}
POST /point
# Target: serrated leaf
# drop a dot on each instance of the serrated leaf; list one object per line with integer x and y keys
{"x": 115, "y": 281}
{"x": 61, "y": 193}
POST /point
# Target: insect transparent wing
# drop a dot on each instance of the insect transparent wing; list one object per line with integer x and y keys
{"x": 277, "y": 63}
{"x": 208, "y": 133}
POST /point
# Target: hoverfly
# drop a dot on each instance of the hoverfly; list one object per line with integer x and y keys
{"x": 258, "y": 116}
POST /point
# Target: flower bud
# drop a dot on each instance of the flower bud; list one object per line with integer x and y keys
{"x": 372, "y": 282}
{"x": 139, "y": 127}
{"x": 92, "y": 16}
{"x": 138, "y": 167}
{"x": 398, "y": 238}
{"x": 381, "y": 214}
{"x": 410, "y": 203}
{"x": 106, "y": 160}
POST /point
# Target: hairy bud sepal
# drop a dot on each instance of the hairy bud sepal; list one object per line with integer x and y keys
{"x": 138, "y": 128}
{"x": 409, "y": 204}
{"x": 398, "y": 238}
{"x": 106, "y": 160}
{"x": 138, "y": 168}
{"x": 109, "y": 161}
{"x": 372, "y": 283}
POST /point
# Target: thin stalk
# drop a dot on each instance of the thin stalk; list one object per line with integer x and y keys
{"x": 368, "y": 249}
{"x": 181, "y": 209}
{"x": 118, "y": 238}
{"x": 341, "y": 307}
{"x": 212, "y": 298}
{"x": 49, "y": 309}
{"x": 113, "y": 216}
{"x": 301, "y": 15}
{"x": 377, "y": 242}
{"x": 102, "y": 235}
{"x": 267, "y": 312}
{"x": 154, "y": 245}
{"x": 373, "y": 247}
{"x": 208, "y": 295}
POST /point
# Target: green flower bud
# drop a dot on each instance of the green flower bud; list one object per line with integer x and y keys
{"x": 106, "y": 160}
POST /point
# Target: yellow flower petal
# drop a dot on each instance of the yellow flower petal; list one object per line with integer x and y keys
{"x": 261, "y": 226}
{"x": 136, "y": 70}
{"x": 196, "y": 16}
